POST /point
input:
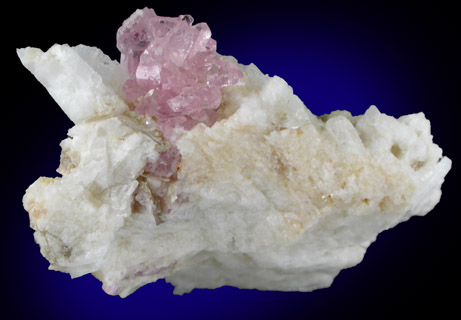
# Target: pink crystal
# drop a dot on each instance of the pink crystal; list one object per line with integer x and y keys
{"x": 175, "y": 73}
{"x": 166, "y": 165}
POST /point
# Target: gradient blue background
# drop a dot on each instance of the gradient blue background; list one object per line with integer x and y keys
{"x": 402, "y": 58}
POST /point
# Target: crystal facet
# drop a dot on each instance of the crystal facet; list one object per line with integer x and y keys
{"x": 175, "y": 73}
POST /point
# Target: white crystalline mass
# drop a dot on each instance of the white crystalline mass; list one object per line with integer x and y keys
{"x": 270, "y": 197}
{"x": 83, "y": 80}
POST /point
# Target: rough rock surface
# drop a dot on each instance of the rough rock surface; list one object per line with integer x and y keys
{"x": 269, "y": 197}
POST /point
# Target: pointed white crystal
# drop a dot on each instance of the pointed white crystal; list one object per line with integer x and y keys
{"x": 270, "y": 197}
{"x": 82, "y": 80}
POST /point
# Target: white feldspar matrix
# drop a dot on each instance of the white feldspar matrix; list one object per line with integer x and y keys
{"x": 185, "y": 165}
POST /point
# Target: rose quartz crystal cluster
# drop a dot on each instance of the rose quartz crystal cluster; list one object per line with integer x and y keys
{"x": 175, "y": 73}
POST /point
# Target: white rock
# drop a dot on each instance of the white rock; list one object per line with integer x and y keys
{"x": 82, "y": 80}
{"x": 271, "y": 197}
{"x": 76, "y": 216}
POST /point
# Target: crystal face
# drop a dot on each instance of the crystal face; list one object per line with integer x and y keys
{"x": 185, "y": 165}
{"x": 175, "y": 73}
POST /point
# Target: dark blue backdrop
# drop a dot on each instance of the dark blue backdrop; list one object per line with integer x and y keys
{"x": 401, "y": 58}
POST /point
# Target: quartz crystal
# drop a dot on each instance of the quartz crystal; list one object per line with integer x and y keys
{"x": 185, "y": 165}
{"x": 175, "y": 73}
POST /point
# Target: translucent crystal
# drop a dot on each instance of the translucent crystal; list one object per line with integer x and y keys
{"x": 175, "y": 73}
{"x": 166, "y": 165}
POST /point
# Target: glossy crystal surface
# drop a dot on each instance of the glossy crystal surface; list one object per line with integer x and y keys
{"x": 175, "y": 73}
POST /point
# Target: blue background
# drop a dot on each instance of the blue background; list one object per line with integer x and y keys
{"x": 402, "y": 58}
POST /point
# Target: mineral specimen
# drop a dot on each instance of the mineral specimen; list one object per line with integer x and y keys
{"x": 185, "y": 165}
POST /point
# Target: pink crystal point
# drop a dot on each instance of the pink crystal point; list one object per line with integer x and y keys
{"x": 175, "y": 73}
{"x": 166, "y": 165}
